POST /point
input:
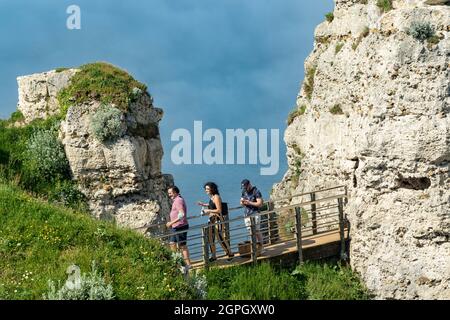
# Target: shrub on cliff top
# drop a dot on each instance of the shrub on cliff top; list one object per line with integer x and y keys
{"x": 101, "y": 82}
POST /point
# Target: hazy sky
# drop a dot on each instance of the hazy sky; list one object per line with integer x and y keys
{"x": 228, "y": 63}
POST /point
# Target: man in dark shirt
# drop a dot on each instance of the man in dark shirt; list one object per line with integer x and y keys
{"x": 252, "y": 201}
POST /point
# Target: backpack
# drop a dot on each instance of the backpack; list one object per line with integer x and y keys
{"x": 224, "y": 208}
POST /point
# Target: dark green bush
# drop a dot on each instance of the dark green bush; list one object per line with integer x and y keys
{"x": 16, "y": 116}
{"x": 66, "y": 193}
{"x": 329, "y": 16}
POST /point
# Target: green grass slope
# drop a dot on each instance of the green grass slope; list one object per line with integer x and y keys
{"x": 38, "y": 241}
{"x": 309, "y": 281}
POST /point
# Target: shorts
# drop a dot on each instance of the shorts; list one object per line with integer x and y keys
{"x": 257, "y": 222}
{"x": 179, "y": 238}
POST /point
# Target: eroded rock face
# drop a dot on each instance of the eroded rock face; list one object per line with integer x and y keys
{"x": 37, "y": 93}
{"x": 378, "y": 122}
{"x": 121, "y": 178}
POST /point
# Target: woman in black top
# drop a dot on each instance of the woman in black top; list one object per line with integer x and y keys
{"x": 215, "y": 215}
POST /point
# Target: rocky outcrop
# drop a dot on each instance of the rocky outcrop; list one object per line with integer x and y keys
{"x": 37, "y": 93}
{"x": 375, "y": 117}
{"x": 121, "y": 178}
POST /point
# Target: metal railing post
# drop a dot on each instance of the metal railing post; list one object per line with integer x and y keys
{"x": 264, "y": 225}
{"x": 226, "y": 228}
{"x": 205, "y": 246}
{"x": 273, "y": 225}
{"x": 343, "y": 254}
{"x": 346, "y": 195}
{"x": 298, "y": 233}
{"x": 313, "y": 213}
{"x": 253, "y": 237}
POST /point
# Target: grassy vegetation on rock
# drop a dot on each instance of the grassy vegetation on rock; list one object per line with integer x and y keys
{"x": 101, "y": 82}
{"x": 385, "y": 5}
{"x": 309, "y": 83}
{"x": 338, "y": 47}
{"x": 361, "y": 36}
{"x": 295, "y": 113}
{"x": 329, "y": 16}
{"x": 58, "y": 70}
{"x": 336, "y": 109}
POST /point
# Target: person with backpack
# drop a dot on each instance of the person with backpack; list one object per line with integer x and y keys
{"x": 215, "y": 210}
{"x": 252, "y": 201}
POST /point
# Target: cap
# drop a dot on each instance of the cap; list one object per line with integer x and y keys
{"x": 244, "y": 183}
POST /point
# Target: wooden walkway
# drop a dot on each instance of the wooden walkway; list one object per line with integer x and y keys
{"x": 278, "y": 250}
{"x": 304, "y": 226}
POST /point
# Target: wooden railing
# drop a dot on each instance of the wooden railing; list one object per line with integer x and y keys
{"x": 322, "y": 212}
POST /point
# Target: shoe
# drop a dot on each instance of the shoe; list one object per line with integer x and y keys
{"x": 212, "y": 259}
{"x": 230, "y": 257}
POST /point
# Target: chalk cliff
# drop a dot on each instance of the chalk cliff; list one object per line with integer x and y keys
{"x": 373, "y": 114}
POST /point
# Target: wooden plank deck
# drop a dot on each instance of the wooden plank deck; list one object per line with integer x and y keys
{"x": 277, "y": 250}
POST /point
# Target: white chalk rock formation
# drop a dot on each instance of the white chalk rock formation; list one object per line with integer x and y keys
{"x": 37, "y": 93}
{"x": 373, "y": 114}
{"x": 121, "y": 178}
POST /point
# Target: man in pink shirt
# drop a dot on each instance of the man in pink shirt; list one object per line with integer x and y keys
{"x": 178, "y": 223}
